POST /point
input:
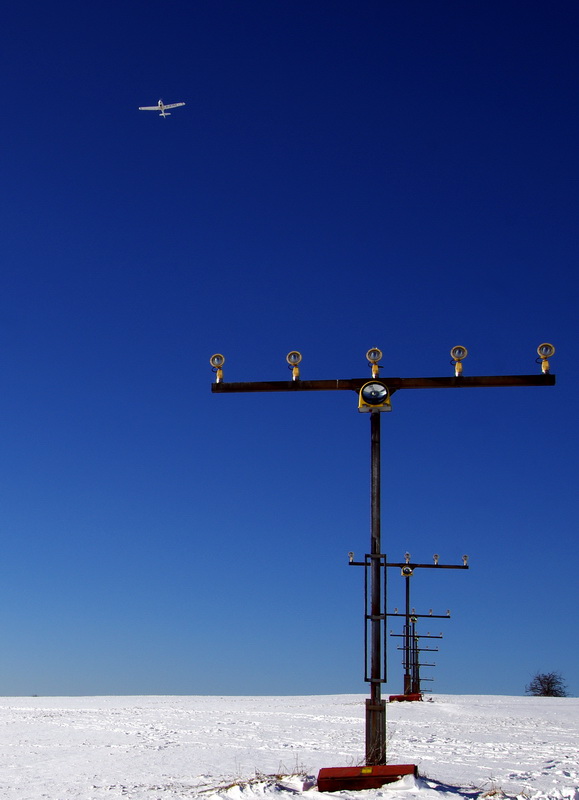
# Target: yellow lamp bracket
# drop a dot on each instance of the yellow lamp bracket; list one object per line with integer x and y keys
{"x": 217, "y": 361}
{"x": 458, "y": 353}
{"x": 293, "y": 358}
{"x": 374, "y": 355}
{"x": 374, "y": 396}
{"x": 545, "y": 351}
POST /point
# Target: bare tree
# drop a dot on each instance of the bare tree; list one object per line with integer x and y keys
{"x": 547, "y": 684}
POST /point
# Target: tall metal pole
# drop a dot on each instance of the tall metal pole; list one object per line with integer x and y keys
{"x": 375, "y": 706}
{"x": 407, "y": 641}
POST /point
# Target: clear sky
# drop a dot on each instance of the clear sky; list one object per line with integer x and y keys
{"x": 344, "y": 175}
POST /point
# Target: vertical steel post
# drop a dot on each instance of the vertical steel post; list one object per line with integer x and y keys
{"x": 407, "y": 647}
{"x": 415, "y": 687}
{"x": 375, "y": 706}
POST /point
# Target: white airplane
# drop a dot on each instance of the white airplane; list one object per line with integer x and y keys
{"x": 162, "y": 107}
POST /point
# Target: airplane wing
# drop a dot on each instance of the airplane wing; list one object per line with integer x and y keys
{"x": 148, "y": 108}
{"x": 174, "y": 105}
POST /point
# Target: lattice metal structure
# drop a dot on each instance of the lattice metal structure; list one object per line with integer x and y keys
{"x": 374, "y": 395}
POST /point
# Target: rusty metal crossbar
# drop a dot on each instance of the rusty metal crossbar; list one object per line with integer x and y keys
{"x": 393, "y": 384}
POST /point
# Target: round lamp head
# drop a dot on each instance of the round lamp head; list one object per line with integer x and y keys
{"x": 293, "y": 358}
{"x": 459, "y": 352}
{"x": 217, "y": 360}
{"x": 374, "y": 393}
{"x": 545, "y": 350}
{"x": 374, "y": 355}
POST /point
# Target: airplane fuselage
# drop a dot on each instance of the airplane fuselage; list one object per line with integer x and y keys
{"x": 161, "y": 107}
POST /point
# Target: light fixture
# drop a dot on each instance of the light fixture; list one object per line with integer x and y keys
{"x": 458, "y": 353}
{"x": 217, "y": 361}
{"x": 374, "y": 355}
{"x": 465, "y": 560}
{"x": 545, "y": 352}
{"x": 351, "y": 557}
{"x": 436, "y": 557}
{"x": 407, "y": 557}
{"x": 374, "y": 396}
{"x": 293, "y": 359}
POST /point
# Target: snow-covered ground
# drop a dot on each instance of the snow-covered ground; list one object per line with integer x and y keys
{"x": 165, "y": 748}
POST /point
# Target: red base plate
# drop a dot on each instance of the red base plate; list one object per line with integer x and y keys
{"x": 399, "y": 698}
{"x": 334, "y": 779}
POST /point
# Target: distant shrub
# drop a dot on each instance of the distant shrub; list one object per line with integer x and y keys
{"x": 547, "y": 684}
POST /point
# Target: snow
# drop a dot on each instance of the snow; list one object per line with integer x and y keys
{"x": 245, "y": 748}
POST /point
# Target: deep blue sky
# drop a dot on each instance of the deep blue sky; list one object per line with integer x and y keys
{"x": 344, "y": 175}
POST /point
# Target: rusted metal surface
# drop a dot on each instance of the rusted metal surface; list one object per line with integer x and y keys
{"x": 289, "y": 386}
{"x": 393, "y": 384}
{"x": 411, "y": 564}
{"x": 425, "y": 566}
{"x": 336, "y": 779}
{"x": 412, "y": 697}
{"x": 375, "y": 706}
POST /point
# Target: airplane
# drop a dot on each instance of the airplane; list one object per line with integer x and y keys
{"x": 161, "y": 107}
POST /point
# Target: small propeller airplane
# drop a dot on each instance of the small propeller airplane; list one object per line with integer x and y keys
{"x": 162, "y": 107}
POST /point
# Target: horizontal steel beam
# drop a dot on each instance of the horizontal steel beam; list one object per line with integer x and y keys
{"x": 426, "y": 566}
{"x": 393, "y": 384}
{"x": 402, "y": 615}
{"x": 411, "y": 565}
